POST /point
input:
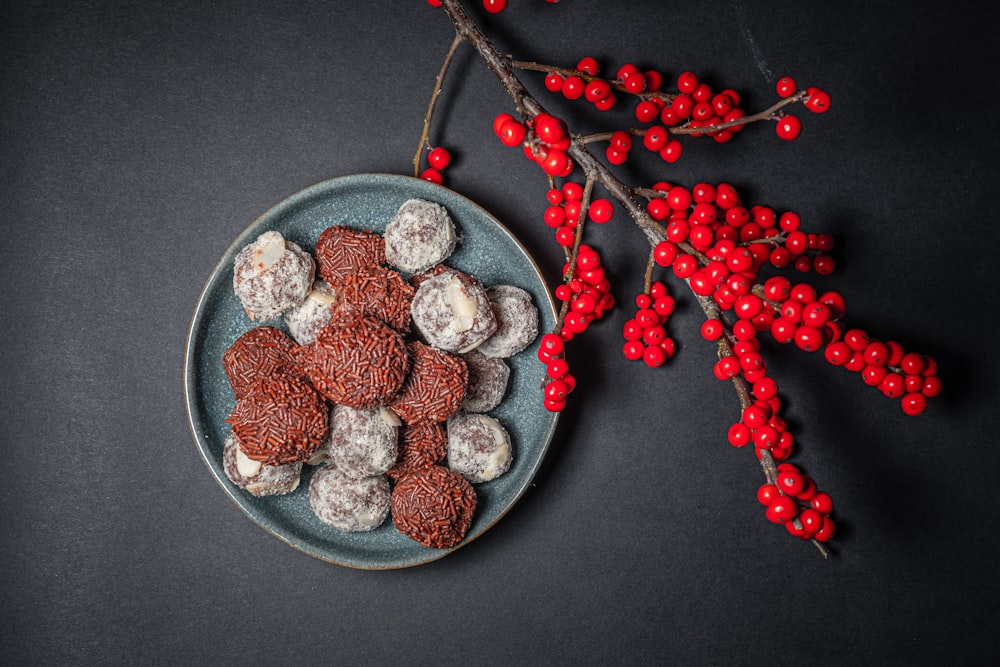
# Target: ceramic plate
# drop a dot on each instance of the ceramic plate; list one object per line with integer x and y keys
{"x": 367, "y": 201}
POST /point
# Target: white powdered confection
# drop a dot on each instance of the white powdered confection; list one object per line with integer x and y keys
{"x": 362, "y": 443}
{"x": 517, "y": 321}
{"x": 272, "y": 275}
{"x": 479, "y": 447}
{"x": 453, "y": 312}
{"x": 351, "y": 505}
{"x": 255, "y": 477}
{"x": 314, "y": 313}
{"x": 488, "y": 378}
{"x": 419, "y": 236}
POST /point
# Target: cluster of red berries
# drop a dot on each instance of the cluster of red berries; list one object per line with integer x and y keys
{"x": 737, "y": 239}
{"x": 909, "y": 376}
{"x": 438, "y": 160}
{"x": 544, "y": 138}
{"x": 583, "y": 83}
{"x": 645, "y": 334}
{"x": 565, "y": 207}
{"x": 586, "y": 297}
{"x": 795, "y": 502}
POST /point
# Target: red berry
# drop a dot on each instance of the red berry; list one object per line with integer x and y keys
{"x": 596, "y": 90}
{"x": 432, "y": 175}
{"x": 822, "y": 502}
{"x": 573, "y": 87}
{"x": 600, "y": 211}
{"x": 646, "y": 111}
{"x": 914, "y": 404}
{"x": 495, "y": 6}
{"x": 655, "y": 138}
{"x": 511, "y": 132}
{"x": 633, "y": 350}
{"x": 766, "y": 493}
{"x": 825, "y": 533}
{"x": 687, "y": 82}
{"x": 739, "y": 435}
{"x": 785, "y": 86}
{"x": 557, "y": 369}
{"x": 781, "y": 509}
{"x": 817, "y": 101}
{"x": 789, "y": 127}
{"x": 439, "y": 158}
{"x": 654, "y": 356}
{"x": 553, "y": 82}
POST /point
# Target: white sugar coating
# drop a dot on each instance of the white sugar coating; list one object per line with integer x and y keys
{"x": 350, "y": 505}
{"x": 479, "y": 447}
{"x": 517, "y": 321}
{"x": 452, "y": 311}
{"x": 314, "y": 313}
{"x": 272, "y": 275}
{"x": 362, "y": 443}
{"x": 488, "y": 378}
{"x": 419, "y": 236}
{"x": 256, "y": 478}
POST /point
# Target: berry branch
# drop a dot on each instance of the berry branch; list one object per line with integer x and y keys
{"x": 713, "y": 243}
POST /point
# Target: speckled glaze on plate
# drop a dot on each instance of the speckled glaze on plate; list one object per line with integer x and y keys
{"x": 367, "y": 201}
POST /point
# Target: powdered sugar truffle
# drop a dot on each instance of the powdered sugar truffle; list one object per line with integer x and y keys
{"x": 272, "y": 275}
{"x": 420, "y": 235}
{"x": 362, "y": 442}
{"x": 257, "y": 478}
{"x": 479, "y": 447}
{"x": 517, "y": 321}
{"x": 452, "y": 311}
{"x": 488, "y": 378}
{"x": 315, "y": 312}
{"x": 350, "y": 505}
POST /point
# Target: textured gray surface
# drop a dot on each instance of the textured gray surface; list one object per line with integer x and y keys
{"x": 139, "y": 140}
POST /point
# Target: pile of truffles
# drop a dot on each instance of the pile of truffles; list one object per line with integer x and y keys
{"x": 380, "y": 378}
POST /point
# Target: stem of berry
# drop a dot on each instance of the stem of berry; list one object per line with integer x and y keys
{"x": 425, "y": 134}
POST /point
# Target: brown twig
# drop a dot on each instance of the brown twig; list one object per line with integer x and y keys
{"x": 597, "y": 172}
{"x": 438, "y": 83}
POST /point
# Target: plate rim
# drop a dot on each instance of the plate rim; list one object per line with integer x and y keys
{"x": 199, "y": 315}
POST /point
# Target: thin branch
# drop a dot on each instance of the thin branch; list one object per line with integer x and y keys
{"x": 438, "y": 83}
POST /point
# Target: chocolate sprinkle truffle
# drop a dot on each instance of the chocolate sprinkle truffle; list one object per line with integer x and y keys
{"x": 272, "y": 275}
{"x": 380, "y": 293}
{"x": 420, "y": 235}
{"x": 453, "y": 312}
{"x": 420, "y": 445}
{"x": 361, "y": 362}
{"x": 259, "y": 352}
{"x": 434, "y": 388}
{"x": 347, "y": 504}
{"x": 433, "y": 506}
{"x": 281, "y": 420}
{"x": 341, "y": 251}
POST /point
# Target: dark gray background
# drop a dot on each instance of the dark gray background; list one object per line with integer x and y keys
{"x": 138, "y": 140}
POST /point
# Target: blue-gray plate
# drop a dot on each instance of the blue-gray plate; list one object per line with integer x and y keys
{"x": 486, "y": 249}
